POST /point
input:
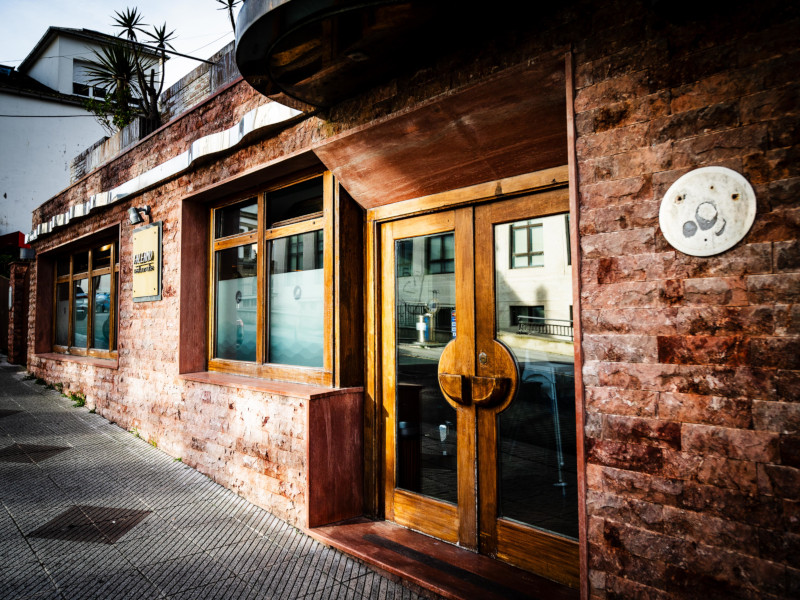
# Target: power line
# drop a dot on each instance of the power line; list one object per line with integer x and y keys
{"x": 44, "y": 116}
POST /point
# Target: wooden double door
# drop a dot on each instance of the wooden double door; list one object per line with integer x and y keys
{"x": 478, "y": 380}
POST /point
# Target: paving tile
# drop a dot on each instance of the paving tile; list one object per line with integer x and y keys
{"x": 26, "y": 580}
{"x": 148, "y": 550}
{"x": 186, "y": 573}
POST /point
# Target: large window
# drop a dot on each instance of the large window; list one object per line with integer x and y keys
{"x": 85, "y": 315}
{"x": 269, "y": 311}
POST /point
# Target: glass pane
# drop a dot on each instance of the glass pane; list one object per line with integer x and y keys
{"x": 237, "y": 218}
{"x": 537, "y": 461}
{"x": 101, "y": 311}
{"x": 426, "y": 424}
{"x": 294, "y": 202}
{"x": 62, "y": 265}
{"x": 537, "y": 235}
{"x": 62, "y": 314}
{"x": 113, "y": 311}
{"x": 236, "y": 291}
{"x": 520, "y": 240}
{"x": 296, "y": 295}
{"x": 80, "y": 311}
{"x": 80, "y": 262}
{"x": 101, "y": 257}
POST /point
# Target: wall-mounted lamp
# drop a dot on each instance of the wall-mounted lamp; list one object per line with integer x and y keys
{"x": 133, "y": 214}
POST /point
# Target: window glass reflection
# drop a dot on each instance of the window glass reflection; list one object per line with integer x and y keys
{"x": 537, "y": 462}
{"x": 62, "y": 314}
{"x": 236, "y": 298}
{"x": 296, "y": 300}
{"x": 101, "y": 312}
{"x": 80, "y": 311}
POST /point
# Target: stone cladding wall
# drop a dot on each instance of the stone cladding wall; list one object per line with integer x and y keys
{"x": 692, "y": 365}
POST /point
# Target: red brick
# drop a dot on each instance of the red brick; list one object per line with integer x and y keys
{"x": 780, "y": 481}
{"x": 620, "y": 217}
{"x": 626, "y": 87}
{"x": 712, "y": 470}
{"x": 634, "y": 241}
{"x": 706, "y": 410}
{"x": 620, "y": 348}
{"x": 775, "y": 352}
{"x": 632, "y": 457}
{"x": 714, "y": 531}
{"x": 621, "y": 402}
{"x": 727, "y": 320}
{"x": 781, "y": 417}
{"x": 637, "y": 430}
{"x": 611, "y": 193}
{"x": 757, "y": 446}
{"x": 712, "y": 148}
{"x": 625, "y": 510}
{"x": 787, "y": 256}
{"x": 777, "y": 226}
{"x": 702, "y": 350}
{"x": 720, "y": 291}
{"x": 632, "y": 294}
{"x": 790, "y": 450}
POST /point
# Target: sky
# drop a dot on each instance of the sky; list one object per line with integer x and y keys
{"x": 200, "y": 28}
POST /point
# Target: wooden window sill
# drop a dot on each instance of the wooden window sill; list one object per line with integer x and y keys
{"x": 271, "y": 386}
{"x": 105, "y": 363}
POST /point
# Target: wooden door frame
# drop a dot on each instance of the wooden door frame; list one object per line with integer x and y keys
{"x": 374, "y": 435}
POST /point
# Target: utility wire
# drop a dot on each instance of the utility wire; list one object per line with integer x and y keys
{"x": 44, "y": 116}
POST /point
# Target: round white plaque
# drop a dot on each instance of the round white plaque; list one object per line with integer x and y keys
{"x": 707, "y": 211}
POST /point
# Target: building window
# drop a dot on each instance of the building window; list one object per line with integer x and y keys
{"x": 527, "y": 314}
{"x": 82, "y": 82}
{"x": 440, "y": 254}
{"x": 527, "y": 244}
{"x": 85, "y": 316}
{"x": 268, "y": 306}
{"x": 405, "y": 258}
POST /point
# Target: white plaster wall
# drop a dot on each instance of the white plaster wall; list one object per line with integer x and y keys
{"x": 549, "y": 286}
{"x": 35, "y": 154}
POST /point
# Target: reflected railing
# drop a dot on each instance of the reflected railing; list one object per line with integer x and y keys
{"x": 543, "y": 326}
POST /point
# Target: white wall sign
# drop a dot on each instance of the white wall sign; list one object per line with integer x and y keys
{"x": 707, "y": 211}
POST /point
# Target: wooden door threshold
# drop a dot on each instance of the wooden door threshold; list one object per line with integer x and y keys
{"x": 446, "y": 570}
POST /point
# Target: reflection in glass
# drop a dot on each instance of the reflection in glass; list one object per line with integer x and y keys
{"x": 80, "y": 262}
{"x": 293, "y": 203}
{"x": 537, "y": 460}
{"x": 62, "y": 313}
{"x": 237, "y": 218}
{"x": 296, "y": 300}
{"x": 236, "y": 291}
{"x": 62, "y": 266}
{"x": 101, "y": 257}
{"x": 101, "y": 311}
{"x": 425, "y": 322}
{"x": 80, "y": 311}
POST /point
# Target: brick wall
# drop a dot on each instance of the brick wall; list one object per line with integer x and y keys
{"x": 691, "y": 373}
{"x": 19, "y": 282}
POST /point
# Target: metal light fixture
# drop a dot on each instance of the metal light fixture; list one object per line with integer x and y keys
{"x": 133, "y": 214}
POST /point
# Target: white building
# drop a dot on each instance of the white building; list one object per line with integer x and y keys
{"x": 43, "y": 124}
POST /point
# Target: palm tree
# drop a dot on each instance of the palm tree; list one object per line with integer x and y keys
{"x": 229, "y": 5}
{"x": 130, "y": 74}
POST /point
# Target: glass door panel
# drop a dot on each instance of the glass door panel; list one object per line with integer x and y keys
{"x": 425, "y": 423}
{"x": 537, "y": 463}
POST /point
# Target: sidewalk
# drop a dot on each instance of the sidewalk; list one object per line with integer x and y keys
{"x": 91, "y": 511}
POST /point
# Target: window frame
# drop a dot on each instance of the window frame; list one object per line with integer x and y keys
{"x": 70, "y": 279}
{"x": 262, "y": 236}
{"x": 530, "y": 252}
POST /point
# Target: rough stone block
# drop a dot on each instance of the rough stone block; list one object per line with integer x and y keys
{"x": 756, "y": 446}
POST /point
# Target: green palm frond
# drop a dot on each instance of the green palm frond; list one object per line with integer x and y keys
{"x": 161, "y": 36}
{"x": 114, "y": 69}
{"x": 129, "y": 21}
{"x": 229, "y": 5}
